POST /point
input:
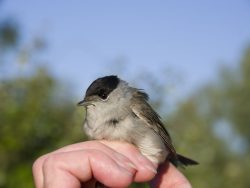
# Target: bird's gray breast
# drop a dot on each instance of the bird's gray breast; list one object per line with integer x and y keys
{"x": 112, "y": 125}
{"x": 109, "y": 120}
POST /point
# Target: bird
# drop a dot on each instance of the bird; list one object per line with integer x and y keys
{"x": 115, "y": 111}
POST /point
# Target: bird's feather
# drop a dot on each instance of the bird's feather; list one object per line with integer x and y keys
{"x": 145, "y": 112}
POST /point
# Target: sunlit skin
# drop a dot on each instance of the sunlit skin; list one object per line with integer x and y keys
{"x": 113, "y": 163}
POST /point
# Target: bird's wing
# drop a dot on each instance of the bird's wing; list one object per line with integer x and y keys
{"x": 144, "y": 111}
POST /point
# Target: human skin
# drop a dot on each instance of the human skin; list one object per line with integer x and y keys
{"x": 115, "y": 164}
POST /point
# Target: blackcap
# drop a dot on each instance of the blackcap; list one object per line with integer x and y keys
{"x": 117, "y": 111}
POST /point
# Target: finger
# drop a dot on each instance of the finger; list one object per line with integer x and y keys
{"x": 119, "y": 158}
{"x": 70, "y": 168}
{"x": 146, "y": 170}
{"x": 169, "y": 176}
{"x": 38, "y": 172}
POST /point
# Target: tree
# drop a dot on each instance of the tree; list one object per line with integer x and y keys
{"x": 35, "y": 118}
{"x": 213, "y": 126}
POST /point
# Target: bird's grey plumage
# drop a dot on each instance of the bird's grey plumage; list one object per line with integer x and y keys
{"x": 144, "y": 111}
{"x": 116, "y": 111}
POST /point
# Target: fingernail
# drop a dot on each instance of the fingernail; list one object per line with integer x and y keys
{"x": 131, "y": 165}
{"x": 150, "y": 168}
{"x": 148, "y": 164}
{"x": 127, "y": 172}
{"x": 127, "y": 165}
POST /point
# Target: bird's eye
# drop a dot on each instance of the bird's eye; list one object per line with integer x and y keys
{"x": 102, "y": 94}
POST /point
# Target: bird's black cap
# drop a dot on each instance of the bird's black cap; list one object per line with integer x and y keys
{"x": 103, "y": 86}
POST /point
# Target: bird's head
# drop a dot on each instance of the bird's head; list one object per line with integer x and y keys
{"x": 109, "y": 92}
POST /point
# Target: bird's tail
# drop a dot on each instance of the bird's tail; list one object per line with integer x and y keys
{"x": 180, "y": 160}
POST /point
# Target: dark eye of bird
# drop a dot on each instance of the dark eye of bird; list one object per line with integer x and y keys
{"x": 103, "y": 94}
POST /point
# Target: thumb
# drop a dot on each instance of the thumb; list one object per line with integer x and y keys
{"x": 169, "y": 177}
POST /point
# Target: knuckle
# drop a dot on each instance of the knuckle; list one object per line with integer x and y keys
{"x": 52, "y": 161}
{"x": 38, "y": 163}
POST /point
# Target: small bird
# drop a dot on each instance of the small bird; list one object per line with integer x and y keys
{"x": 117, "y": 111}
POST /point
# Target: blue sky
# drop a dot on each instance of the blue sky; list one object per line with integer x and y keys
{"x": 85, "y": 38}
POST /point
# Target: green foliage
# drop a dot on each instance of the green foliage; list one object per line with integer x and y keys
{"x": 8, "y": 34}
{"x": 37, "y": 114}
{"x": 33, "y": 121}
{"x": 212, "y": 126}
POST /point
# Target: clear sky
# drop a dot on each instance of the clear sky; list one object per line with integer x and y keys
{"x": 84, "y": 37}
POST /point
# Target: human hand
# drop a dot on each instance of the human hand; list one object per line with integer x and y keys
{"x": 169, "y": 176}
{"x": 112, "y": 163}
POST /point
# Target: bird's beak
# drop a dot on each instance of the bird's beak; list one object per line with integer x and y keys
{"x": 81, "y": 103}
{"x": 84, "y": 102}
